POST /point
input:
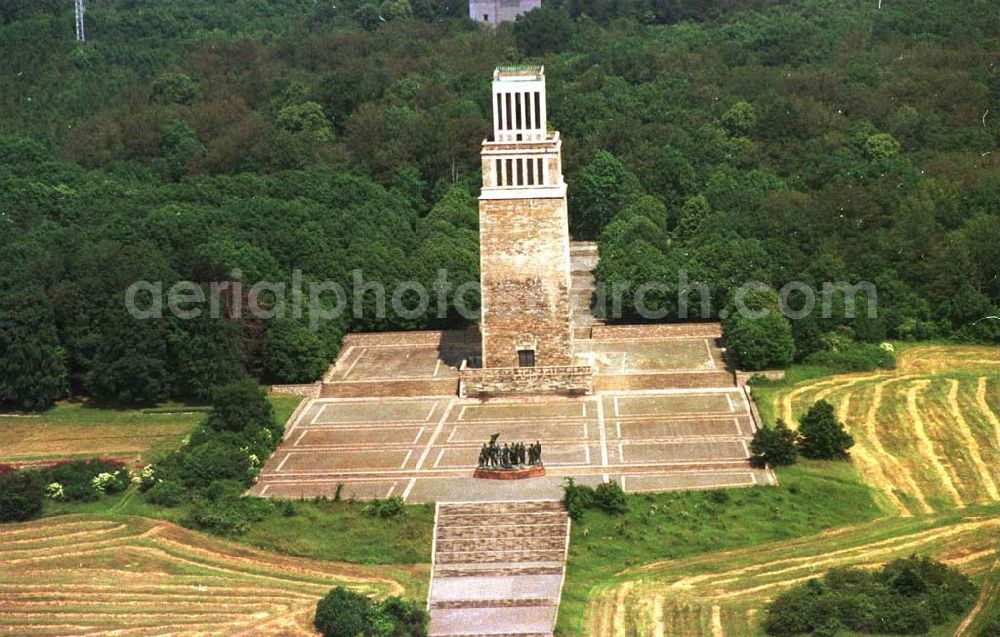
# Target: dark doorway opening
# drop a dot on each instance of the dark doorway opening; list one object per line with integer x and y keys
{"x": 526, "y": 357}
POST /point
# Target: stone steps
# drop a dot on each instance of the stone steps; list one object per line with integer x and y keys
{"x": 494, "y": 545}
{"x": 490, "y": 570}
{"x": 502, "y": 532}
{"x": 497, "y": 569}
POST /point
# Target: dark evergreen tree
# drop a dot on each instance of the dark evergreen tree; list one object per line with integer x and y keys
{"x": 774, "y": 446}
{"x": 822, "y": 436}
{"x": 32, "y": 362}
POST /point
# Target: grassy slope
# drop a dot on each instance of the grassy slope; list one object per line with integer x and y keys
{"x": 812, "y": 497}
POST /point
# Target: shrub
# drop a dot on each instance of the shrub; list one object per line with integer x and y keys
{"x": 54, "y": 491}
{"x": 214, "y": 460}
{"x": 392, "y": 507}
{"x": 344, "y": 613}
{"x": 822, "y": 436}
{"x": 774, "y": 446}
{"x": 609, "y": 497}
{"x": 855, "y": 358}
{"x": 406, "y": 618}
{"x": 22, "y": 496}
{"x": 904, "y": 597}
{"x": 108, "y": 482}
{"x": 576, "y": 498}
{"x": 240, "y": 406}
{"x": 228, "y": 515}
{"x": 168, "y": 493}
{"x": 85, "y": 480}
{"x": 762, "y": 343}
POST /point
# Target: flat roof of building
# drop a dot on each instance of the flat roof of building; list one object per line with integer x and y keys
{"x": 518, "y": 72}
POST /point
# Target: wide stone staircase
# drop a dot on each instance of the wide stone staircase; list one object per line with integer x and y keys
{"x": 583, "y": 260}
{"x": 498, "y": 568}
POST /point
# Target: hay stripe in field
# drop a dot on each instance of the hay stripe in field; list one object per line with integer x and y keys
{"x": 984, "y": 407}
{"x": 970, "y": 441}
{"x": 924, "y": 441}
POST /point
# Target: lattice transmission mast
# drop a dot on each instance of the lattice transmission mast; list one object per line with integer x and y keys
{"x": 81, "y": 35}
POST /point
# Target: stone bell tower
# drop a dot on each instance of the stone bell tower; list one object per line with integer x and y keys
{"x": 523, "y": 230}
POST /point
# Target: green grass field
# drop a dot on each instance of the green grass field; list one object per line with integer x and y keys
{"x": 813, "y": 497}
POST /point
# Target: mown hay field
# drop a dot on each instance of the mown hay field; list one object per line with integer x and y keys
{"x": 927, "y": 434}
{"x": 75, "y": 430}
{"x": 724, "y": 593}
{"x": 123, "y": 575}
{"x": 927, "y": 440}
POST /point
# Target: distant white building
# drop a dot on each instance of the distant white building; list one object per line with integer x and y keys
{"x": 493, "y": 12}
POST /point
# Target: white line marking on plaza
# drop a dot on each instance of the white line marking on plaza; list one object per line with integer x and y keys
{"x": 406, "y": 459}
{"x": 711, "y": 359}
{"x": 753, "y": 477}
{"x": 736, "y": 423}
{"x": 420, "y": 432}
{"x": 461, "y": 413}
{"x": 283, "y": 461}
{"x": 437, "y": 367}
{"x": 319, "y": 412}
{"x": 391, "y": 489}
{"x": 586, "y": 455}
{"x": 729, "y": 401}
{"x": 300, "y": 438}
{"x": 438, "y": 460}
{"x": 602, "y": 431}
{"x": 617, "y": 409}
{"x": 586, "y": 431}
{"x": 264, "y": 490}
{"x": 584, "y": 410}
{"x": 618, "y": 428}
{"x": 361, "y": 352}
{"x": 409, "y": 487}
{"x": 434, "y": 406}
{"x": 745, "y": 449}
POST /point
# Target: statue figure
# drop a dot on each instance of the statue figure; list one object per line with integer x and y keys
{"x": 505, "y": 457}
{"x": 482, "y": 456}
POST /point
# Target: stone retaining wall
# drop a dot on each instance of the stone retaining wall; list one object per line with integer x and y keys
{"x": 742, "y": 378}
{"x": 501, "y": 381}
{"x": 656, "y": 331}
{"x": 310, "y": 390}
{"x": 390, "y": 388}
{"x": 427, "y": 337}
{"x": 669, "y": 380}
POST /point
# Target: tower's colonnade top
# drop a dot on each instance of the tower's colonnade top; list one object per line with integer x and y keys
{"x": 519, "y": 104}
{"x": 522, "y": 156}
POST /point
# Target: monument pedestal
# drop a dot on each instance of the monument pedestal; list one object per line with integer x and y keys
{"x": 509, "y": 474}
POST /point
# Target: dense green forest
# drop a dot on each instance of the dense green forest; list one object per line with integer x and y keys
{"x": 807, "y": 140}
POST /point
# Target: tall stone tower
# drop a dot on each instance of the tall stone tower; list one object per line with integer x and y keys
{"x": 523, "y": 230}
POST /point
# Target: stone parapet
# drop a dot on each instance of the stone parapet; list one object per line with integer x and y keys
{"x": 742, "y": 378}
{"x": 656, "y": 331}
{"x": 309, "y": 390}
{"x": 427, "y": 337}
{"x": 503, "y": 381}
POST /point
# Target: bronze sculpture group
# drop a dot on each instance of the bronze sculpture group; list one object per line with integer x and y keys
{"x": 512, "y": 456}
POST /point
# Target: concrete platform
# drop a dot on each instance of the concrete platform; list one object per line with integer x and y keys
{"x": 425, "y": 449}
